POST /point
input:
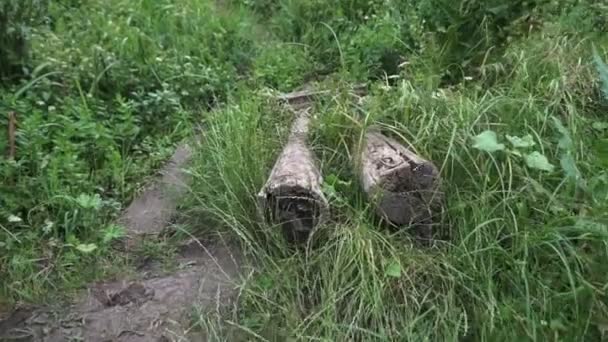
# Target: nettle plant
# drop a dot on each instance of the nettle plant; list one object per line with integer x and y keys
{"x": 525, "y": 147}
{"x": 488, "y": 141}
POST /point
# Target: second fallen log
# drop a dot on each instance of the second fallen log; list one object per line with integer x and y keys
{"x": 403, "y": 187}
{"x": 292, "y": 197}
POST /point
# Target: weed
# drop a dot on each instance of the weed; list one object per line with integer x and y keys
{"x": 110, "y": 88}
{"x": 16, "y": 20}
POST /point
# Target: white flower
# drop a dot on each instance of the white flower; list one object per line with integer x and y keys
{"x": 14, "y": 219}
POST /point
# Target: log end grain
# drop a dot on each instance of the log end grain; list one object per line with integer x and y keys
{"x": 404, "y": 188}
{"x": 296, "y": 209}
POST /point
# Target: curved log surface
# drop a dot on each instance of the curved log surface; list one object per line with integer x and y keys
{"x": 292, "y": 196}
{"x": 403, "y": 187}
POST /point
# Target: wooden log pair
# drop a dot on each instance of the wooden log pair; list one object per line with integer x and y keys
{"x": 403, "y": 187}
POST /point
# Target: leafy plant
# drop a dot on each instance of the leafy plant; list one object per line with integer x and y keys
{"x": 17, "y": 17}
{"x": 109, "y": 88}
{"x": 517, "y": 142}
{"x": 98, "y": 108}
{"x": 487, "y": 141}
{"x": 537, "y": 160}
{"x": 602, "y": 69}
{"x": 393, "y": 270}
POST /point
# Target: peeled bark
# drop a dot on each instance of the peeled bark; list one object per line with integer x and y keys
{"x": 292, "y": 197}
{"x": 403, "y": 187}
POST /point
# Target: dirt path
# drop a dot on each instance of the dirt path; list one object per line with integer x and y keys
{"x": 153, "y": 210}
{"x": 151, "y": 306}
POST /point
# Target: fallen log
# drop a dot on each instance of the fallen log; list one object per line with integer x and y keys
{"x": 301, "y": 99}
{"x": 403, "y": 187}
{"x": 292, "y": 196}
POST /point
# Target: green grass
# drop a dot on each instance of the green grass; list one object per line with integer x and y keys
{"x": 527, "y": 247}
{"x": 102, "y": 93}
{"x": 126, "y": 80}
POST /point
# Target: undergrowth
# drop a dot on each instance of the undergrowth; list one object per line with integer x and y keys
{"x": 506, "y": 98}
{"x": 511, "y": 111}
{"x": 97, "y": 94}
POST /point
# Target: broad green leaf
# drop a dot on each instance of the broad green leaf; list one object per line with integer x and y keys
{"x": 598, "y": 186}
{"x": 586, "y": 225}
{"x": 393, "y": 270}
{"x": 599, "y": 125}
{"x": 329, "y": 190}
{"x": 113, "y": 232}
{"x": 88, "y": 201}
{"x": 559, "y": 126}
{"x": 565, "y": 141}
{"x": 537, "y": 160}
{"x": 86, "y": 247}
{"x": 331, "y": 179}
{"x": 499, "y": 10}
{"x": 517, "y": 142}
{"x": 569, "y": 166}
{"x": 556, "y": 324}
{"x": 331, "y": 187}
{"x": 602, "y": 69}
{"x": 487, "y": 141}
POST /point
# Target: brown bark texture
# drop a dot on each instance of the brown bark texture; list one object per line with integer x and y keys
{"x": 292, "y": 196}
{"x": 404, "y": 188}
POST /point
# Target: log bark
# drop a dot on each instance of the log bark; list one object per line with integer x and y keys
{"x": 403, "y": 187}
{"x": 302, "y": 99}
{"x": 292, "y": 196}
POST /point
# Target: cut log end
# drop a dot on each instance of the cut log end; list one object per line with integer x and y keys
{"x": 403, "y": 187}
{"x": 295, "y": 209}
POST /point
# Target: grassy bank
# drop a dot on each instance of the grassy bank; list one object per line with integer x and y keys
{"x": 506, "y": 99}
{"x": 98, "y": 93}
